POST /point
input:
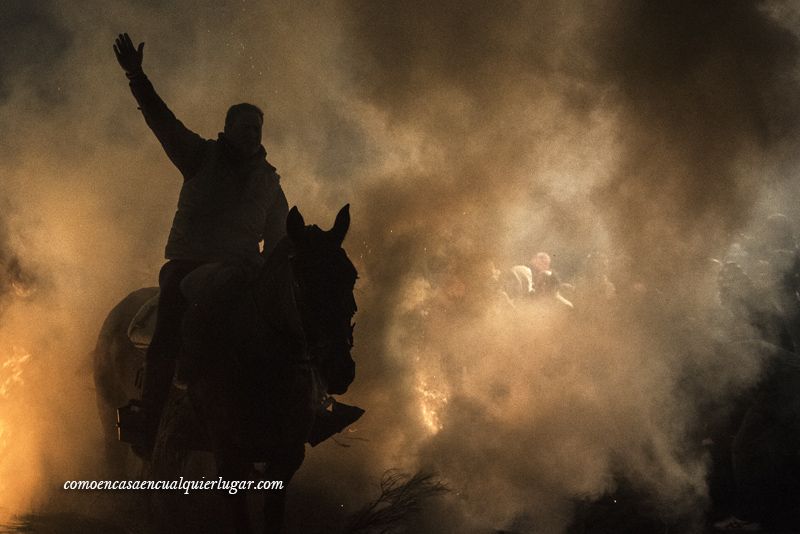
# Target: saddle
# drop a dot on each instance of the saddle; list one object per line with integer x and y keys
{"x": 143, "y": 324}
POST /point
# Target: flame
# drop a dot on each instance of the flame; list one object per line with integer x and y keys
{"x": 11, "y": 370}
{"x": 22, "y": 289}
{"x": 432, "y": 403}
{"x": 3, "y": 447}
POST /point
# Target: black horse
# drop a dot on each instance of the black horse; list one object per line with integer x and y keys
{"x": 266, "y": 350}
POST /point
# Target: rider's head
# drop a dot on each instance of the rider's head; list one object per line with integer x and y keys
{"x": 243, "y": 128}
{"x": 541, "y": 262}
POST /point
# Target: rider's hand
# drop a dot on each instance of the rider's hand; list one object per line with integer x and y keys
{"x": 129, "y": 58}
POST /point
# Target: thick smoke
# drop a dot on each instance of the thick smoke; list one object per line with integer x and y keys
{"x": 465, "y": 135}
{"x": 704, "y": 91}
{"x": 646, "y": 130}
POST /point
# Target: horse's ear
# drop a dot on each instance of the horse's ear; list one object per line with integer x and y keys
{"x": 295, "y": 225}
{"x": 341, "y": 225}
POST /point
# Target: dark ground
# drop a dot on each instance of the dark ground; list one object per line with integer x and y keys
{"x": 603, "y": 521}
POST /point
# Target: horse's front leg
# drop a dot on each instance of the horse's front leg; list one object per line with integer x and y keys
{"x": 281, "y": 468}
{"x": 232, "y": 468}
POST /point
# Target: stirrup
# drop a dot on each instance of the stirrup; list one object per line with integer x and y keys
{"x": 132, "y": 428}
{"x": 131, "y": 422}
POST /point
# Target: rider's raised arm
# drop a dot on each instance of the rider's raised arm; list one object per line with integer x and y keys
{"x": 182, "y": 145}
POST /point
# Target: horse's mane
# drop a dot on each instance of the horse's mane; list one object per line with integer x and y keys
{"x": 274, "y": 298}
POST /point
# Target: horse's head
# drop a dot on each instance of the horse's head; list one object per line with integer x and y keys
{"x": 324, "y": 279}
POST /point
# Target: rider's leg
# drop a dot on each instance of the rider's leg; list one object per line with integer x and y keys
{"x": 160, "y": 358}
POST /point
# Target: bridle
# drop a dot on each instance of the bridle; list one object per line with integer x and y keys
{"x": 325, "y": 306}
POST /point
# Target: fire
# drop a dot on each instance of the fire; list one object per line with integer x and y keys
{"x": 3, "y": 447}
{"x": 432, "y": 402}
{"x": 11, "y": 370}
{"x": 10, "y": 378}
{"x": 22, "y": 290}
{"x": 3, "y": 438}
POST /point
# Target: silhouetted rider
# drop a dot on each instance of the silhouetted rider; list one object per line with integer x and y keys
{"x": 231, "y": 199}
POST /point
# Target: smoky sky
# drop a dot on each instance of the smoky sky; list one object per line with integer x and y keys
{"x": 694, "y": 87}
{"x": 465, "y": 136}
{"x": 39, "y": 41}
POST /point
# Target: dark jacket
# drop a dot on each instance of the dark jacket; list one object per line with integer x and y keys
{"x": 226, "y": 205}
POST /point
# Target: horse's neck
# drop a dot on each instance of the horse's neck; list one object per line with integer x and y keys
{"x": 277, "y": 299}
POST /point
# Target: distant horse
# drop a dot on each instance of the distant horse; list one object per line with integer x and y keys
{"x": 117, "y": 363}
{"x": 265, "y": 350}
